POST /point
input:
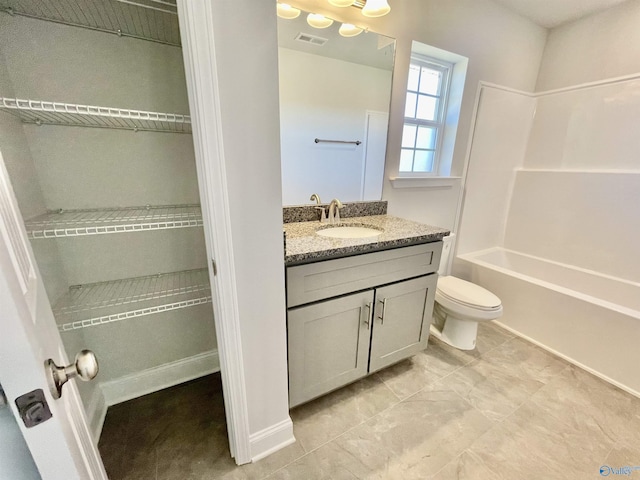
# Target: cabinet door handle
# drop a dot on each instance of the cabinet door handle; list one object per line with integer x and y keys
{"x": 384, "y": 308}
{"x": 368, "y": 320}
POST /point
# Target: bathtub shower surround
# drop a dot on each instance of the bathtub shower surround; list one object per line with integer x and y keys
{"x": 590, "y": 319}
{"x": 563, "y": 253}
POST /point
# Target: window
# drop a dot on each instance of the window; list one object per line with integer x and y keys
{"x": 424, "y": 115}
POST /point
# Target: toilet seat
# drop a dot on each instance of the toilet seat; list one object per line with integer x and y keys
{"x": 467, "y": 300}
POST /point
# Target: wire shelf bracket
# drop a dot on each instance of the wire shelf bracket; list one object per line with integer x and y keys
{"x": 56, "y": 113}
{"x": 101, "y": 303}
{"x": 76, "y": 223}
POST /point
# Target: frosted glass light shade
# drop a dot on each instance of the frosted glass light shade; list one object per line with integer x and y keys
{"x": 341, "y": 3}
{"x": 318, "y": 21}
{"x": 348, "y": 30}
{"x": 287, "y": 11}
{"x": 376, "y": 8}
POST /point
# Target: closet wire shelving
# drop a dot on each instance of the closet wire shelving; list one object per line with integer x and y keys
{"x": 100, "y": 303}
{"x": 68, "y": 114}
{"x": 106, "y": 302}
{"x": 76, "y": 223}
{"x": 153, "y": 20}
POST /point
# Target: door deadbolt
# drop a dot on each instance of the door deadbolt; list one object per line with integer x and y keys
{"x": 33, "y": 408}
{"x": 85, "y": 367}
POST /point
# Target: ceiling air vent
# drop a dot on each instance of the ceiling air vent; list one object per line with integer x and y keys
{"x": 312, "y": 39}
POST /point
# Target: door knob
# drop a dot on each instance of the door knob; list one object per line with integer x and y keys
{"x": 85, "y": 367}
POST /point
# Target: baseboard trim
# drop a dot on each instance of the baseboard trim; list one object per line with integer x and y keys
{"x": 157, "y": 378}
{"x": 96, "y": 413}
{"x": 271, "y": 439}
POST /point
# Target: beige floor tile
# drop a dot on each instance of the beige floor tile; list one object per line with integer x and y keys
{"x": 322, "y": 420}
{"x": 416, "y": 437}
{"x": 465, "y": 466}
{"x": 266, "y": 466}
{"x": 490, "y": 336}
{"x": 329, "y": 462}
{"x": 504, "y": 378}
{"x": 576, "y": 396}
{"x": 533, "y": 445}
{"x": 506, "y": 410}
{"x": 438, "y": 360}
{"x": 623, "y": 461}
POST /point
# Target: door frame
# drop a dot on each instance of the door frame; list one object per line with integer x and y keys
{"x": 198, "y": 47}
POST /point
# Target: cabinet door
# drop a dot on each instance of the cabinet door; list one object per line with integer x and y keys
{"x": 402, "y": 316}
{"x": 328, "y": 345}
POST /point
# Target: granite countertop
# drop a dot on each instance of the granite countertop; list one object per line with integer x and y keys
{"x": 304, "y": 246}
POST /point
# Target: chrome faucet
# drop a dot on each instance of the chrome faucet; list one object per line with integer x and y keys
{"x": 334, "y": 211}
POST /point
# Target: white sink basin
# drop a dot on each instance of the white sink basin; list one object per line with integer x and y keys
{"x": 349, "y": 232}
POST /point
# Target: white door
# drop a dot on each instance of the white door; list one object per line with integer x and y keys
{"x": 62, "y": 447}
{"x": 375, "y": 151}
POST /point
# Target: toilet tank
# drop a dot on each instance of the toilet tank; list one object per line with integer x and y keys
{"x": 445, "y": 258}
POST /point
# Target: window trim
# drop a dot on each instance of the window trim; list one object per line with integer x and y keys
{"x": 439, "y": 125}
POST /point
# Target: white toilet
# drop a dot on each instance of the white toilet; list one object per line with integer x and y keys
{"x": 460, "y": 306}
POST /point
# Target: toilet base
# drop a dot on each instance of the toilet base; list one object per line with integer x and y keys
{"x": 461, "y": 342}
{"x": 457, "y": 332}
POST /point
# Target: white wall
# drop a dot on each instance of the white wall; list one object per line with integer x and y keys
{"x": 502, "y": 127}
{"x": 502, "y": 48}
{"x": 251, "y": 138}
{"x": 603, "y": 45}
{"x": 317, "y": 102}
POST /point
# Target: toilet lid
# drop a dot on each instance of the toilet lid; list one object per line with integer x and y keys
{"x": 467, "y": 293}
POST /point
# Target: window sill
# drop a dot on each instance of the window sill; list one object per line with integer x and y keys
{"x": 425, "y": 182}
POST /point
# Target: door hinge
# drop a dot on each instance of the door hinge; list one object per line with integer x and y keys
{"x": 215, "y": 268}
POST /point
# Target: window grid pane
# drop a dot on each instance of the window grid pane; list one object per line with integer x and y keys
{"x": 427, "y": 108}
{"x": 410, "y": 106}
{"x": 430, "y": 81}
{"x": 409, "y": 136}
{"x": 423, "y": 116}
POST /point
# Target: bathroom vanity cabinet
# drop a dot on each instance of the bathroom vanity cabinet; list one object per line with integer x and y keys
{"x": 352, "y": 316}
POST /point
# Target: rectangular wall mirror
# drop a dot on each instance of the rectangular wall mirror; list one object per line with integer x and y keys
{"x": 334, "y": 111}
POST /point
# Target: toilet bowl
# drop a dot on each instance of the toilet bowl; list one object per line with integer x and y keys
{"x": 460, "y": 306}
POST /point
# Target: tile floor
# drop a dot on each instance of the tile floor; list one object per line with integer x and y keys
{"x": 507, "y": 410}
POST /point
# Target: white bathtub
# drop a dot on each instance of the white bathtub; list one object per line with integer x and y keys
{"x": 590, "y": 319}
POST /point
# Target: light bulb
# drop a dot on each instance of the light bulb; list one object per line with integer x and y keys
{"x": 376, "y": 8}
{"x": 341, "y": 3}
{"x": 318, "y": 21}
{"x": 348, "y": 30}
{"x": 287, "y": 11}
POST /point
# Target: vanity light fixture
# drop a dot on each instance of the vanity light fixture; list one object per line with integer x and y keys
{"x": 341, "y": 3}
{"x": 370, "y": 8}
{"x": 318, "y": 21}
{"x": 375, "y": 8}
{"x": 287, "y": 11}
{"x": 349, "y": 30}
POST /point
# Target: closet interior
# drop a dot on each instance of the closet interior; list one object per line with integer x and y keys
{"x": 95, "y": 135}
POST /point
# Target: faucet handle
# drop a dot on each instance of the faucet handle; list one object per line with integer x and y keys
{"x": 323, "y": 214}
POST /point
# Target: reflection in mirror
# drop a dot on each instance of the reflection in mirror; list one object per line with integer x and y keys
{"x": 334, "y": 108}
